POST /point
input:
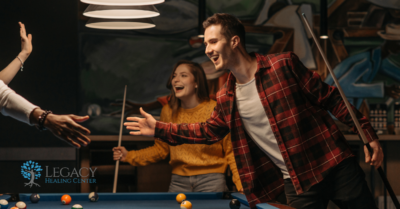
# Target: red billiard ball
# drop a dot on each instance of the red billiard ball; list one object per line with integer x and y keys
{"x": 65, "y": 199}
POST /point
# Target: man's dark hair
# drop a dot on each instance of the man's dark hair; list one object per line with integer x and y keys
{"x": 230, "y": 26}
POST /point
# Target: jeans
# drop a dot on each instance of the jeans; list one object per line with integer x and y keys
{"x": 345, "y": 186}
{"x": 212, "y": 182}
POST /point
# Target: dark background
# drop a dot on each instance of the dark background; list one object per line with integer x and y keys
{"x": 50, "y": 78}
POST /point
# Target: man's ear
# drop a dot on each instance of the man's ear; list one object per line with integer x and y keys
{"x": 235, "y": 41}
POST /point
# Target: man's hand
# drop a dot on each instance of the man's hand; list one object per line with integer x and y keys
{"x": 64, "y": 127}
{"x": 142, "y": 126}
{"x": 26, "y": 43}
{"x": 377, "y": 157}
{"x": 120, "y": 153}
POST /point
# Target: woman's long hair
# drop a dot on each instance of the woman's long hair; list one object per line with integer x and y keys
{"x": 201, "y": 90}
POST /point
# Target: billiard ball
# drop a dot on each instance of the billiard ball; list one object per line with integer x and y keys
{"x": 20, "y": 205}
{"x": 186, "y": 205}
{"x": 77, "y": 206}
{"x": 3, "y": 204}
{"x": 180, "y": 197}
{"x": 234, "y": 204}
{"x": 14, "y": 208}
{"x": 66, "y": 199}
{"x": 93, "y": 197}
{"x": 35, "y": 198}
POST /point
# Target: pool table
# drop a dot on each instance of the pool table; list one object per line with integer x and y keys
{"x": 199, "y": 200}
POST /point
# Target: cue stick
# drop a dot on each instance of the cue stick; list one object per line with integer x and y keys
{"x": 119, "y": 143}
{"x": 353, "y": 116}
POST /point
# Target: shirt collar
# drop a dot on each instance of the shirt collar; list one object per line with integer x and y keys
{"x": 262, "y": 63}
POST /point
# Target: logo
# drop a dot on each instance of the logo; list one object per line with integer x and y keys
{"x": 31, "y": 171}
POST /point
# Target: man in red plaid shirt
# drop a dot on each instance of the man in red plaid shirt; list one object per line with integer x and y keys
{"x": 282, "y": 134}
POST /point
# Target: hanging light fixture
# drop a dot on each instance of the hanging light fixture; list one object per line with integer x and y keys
{"x": 123, "y": 2}
{"x": 121, "y": 12}
{"x": 120, "y": 24}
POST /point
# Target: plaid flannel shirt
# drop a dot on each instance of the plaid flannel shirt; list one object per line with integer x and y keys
{"x": 296, "y": 102}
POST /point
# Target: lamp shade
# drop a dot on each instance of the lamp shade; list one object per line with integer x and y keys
{"x": 123, "y": 2}
{"x": 121, "y": 12}
{"x": 120, "y": 24}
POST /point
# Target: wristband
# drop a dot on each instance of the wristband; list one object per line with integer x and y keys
{"x": 22, "y": 64}
{"x": 41, "y": 120}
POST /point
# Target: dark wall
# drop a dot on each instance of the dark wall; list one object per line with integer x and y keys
{"x": 50, "y": 76}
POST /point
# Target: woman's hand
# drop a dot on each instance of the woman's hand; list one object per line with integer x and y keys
{"x": 26, "y": 43}
{"x": 120, "y": 153}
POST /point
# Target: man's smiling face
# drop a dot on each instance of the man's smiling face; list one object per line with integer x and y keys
{"x": 218, "y": 48}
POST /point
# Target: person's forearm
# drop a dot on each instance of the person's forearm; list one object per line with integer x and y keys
{"x": 14, "y": 105}
{"x": 8, "y": 73}
{"x": 189, "y": 133}
{"x": 34, "y": 116}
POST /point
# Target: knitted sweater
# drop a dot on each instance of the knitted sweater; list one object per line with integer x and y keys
{"x": 190, "y": 159}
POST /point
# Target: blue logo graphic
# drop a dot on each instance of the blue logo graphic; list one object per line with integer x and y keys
{"x": 31, "y": 171}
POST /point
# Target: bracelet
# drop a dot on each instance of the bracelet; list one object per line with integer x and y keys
{"x": 41, "y": 120}
{"x": 22, "y": 64}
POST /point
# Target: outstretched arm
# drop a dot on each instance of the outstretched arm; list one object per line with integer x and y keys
{"x": 213, "y": 130}
{"x": 8, "y": 73}
{"x": 64, "y": 127}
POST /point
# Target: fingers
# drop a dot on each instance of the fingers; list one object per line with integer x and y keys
{"x": 22, "y": 29}
{"x": 133, "y": 119}
{"x": 144, "y": 114}
{"x": 80, "y": 128}
{"x": 68, "y": 139}
{"x": 79, "y": 119}
{"x": 134, "y": 128}
{"x": 77, "y": 137}
{"x": 117, "y": 155}
{"x": 84, "y": 140}
{"x": 367, "y": 155}
{"x": 135, "y": 133}
{"x": 76, "y": 128}
{"x": 377, "y": 156}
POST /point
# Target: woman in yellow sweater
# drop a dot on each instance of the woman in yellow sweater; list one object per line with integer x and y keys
{"x": 195, "y": 167}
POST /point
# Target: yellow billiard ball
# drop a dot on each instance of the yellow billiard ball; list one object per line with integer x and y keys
{"x": 180, "y": 197}
{"x": 186, "y": 205}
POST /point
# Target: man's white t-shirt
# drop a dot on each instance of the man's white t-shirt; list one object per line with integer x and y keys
{"x": 256, "y": 123}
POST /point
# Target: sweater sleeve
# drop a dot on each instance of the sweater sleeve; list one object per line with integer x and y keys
{"x": 14, "y": 105}
{"x": 153, "y": 154}
{"x": 230, "y": 157}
